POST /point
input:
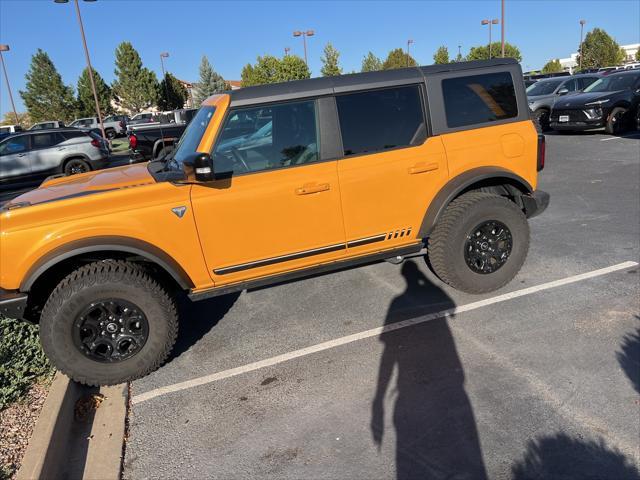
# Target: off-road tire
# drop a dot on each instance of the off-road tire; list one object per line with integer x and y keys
{"x": 75, "y": 166}
{"x": 103, "y": 280}
{"x": 616, "y": 123}
{"x": 461, "y": 217}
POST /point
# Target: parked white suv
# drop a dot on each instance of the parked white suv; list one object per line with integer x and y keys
{"x": 47, "y": 124}
{"x": 111, "y": 129}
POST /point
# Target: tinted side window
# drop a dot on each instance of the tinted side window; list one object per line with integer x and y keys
{"x": 268, "y": 137}
{"x": 586, "y": 81}
{"x": 45, "y": 140}
{"x": 69, "y": 134}
{"x": 479, "y": 99}
{"x": 14, "y": 145}
{"x": 570, "y": 85}
{"x": 381, "y": 119}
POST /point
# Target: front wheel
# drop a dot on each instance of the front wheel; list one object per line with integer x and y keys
{"x": 615, "y": 123}
{"x": 108, "y": 322}
{"x": 75, "y": 166}
{"x": 480, "y": 242}
{"x": 541, "y": 120}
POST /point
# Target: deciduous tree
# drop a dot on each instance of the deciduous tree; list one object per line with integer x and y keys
{"x": 10, "y": 119}
{"x": 330, "y": 66}
{"x": 210, "y": 82}
{"x": 552, "y": 66}
{"x": 269, "y": 69}
{"x": 371, "y": 63}
{"x": 441, "y": 56}
{"x": 46, "y": 96}
{"x": 86, "y": 103}
{"x": 600, "y": 50}
{"x": 482, "y": 52}
{"x": 292, "y": 67}
{"x": 135, "y": 87}
{"x": 398, "y": 58}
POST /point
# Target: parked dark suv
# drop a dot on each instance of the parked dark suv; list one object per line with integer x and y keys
{"x": 611, "y": 102}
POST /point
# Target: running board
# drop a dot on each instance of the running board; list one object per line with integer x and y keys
{"x": 402, "y": 252}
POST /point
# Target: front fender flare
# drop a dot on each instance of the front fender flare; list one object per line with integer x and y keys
{"x": 107, "y": 243}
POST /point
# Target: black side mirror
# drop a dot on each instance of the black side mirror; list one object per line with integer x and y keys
{"x": 199, "y": 167}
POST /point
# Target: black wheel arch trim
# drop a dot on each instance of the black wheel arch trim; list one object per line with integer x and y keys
{"x": 107, "y": 243}
{"x": 459, "y": 184}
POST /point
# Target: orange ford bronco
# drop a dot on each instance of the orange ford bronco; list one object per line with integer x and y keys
{"x": 270, "y": 183}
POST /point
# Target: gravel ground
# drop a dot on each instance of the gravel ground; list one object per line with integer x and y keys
{"x": 16, "y": 426}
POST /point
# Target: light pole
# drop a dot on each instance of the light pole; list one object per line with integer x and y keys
{"x": 495, "y": 21}
{"x": 86, "y": 54}
{"x": 409, "y": 42}
{"x": 286, "y": 51}
{"x": 304, "y": 35}
{"x": 164, "y": 55}
{"x": 582, "y": 22}
{"x": 502, "y": 30}
{"x": 5, "y": 48}
{"x": 459, "y": 52}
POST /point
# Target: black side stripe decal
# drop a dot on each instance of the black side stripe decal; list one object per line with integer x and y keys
{"x": 295, "y": 256}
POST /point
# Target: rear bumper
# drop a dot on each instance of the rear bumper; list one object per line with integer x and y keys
{"x": 536, "y": 203}
{"x": 12, "y": 303}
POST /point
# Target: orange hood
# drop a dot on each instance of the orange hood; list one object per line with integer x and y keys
{"x": 87, "y": 183}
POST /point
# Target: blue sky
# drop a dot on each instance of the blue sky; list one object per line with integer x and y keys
{"x": 234, "y": 33}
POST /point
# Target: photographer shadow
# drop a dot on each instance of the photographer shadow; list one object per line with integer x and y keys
{"x": 436, "y": 435}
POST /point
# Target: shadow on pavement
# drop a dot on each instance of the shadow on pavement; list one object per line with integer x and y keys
{"x": 629, "y": 357}
{"x": 198, "y": 318}
{"x": 436, "y": 434}
{"x": 563, "y": 457}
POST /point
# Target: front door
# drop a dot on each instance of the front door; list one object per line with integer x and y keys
{"x": 390, "y": 171}
{"x": 277, "y": 207}
{"x": 15, "y": 160}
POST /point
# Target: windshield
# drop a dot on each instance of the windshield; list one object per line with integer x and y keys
{"x": 543, "y": 87}
{"x": 191, "y": 137}
{"x": 612, "y": 83}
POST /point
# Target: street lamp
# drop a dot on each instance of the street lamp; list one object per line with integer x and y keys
{"x": 409, "y": 42}
{"x": 502, "y": 30}
{"x": 582, "y": 22}
{"x": 495, "y": 21}
{"x": 304, "y": 35}
{"x": 86, "y": 54}
{"x": 5, "y": 48}
{"x": 286, "y": 51}
{"x": 163, "y": 55}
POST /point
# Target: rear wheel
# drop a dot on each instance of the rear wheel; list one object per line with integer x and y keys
{"x": 616, "y": 122}
{"x": 164, "y": 152}
{"x": 75, "y": 166}
{"x": 480, "y": 242}
{"x": 108, "y": 322}
{"x": 110, "y": 133}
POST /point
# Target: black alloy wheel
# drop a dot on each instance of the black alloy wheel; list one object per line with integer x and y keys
{"x": 488, "y": 246}
{"x": 110, "y": 330}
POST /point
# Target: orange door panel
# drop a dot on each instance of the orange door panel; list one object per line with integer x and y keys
{"x": 385, "y": 195}
{"x": 265, "y": 223}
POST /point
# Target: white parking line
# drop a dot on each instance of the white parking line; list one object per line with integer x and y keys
{"x": 214, "y": 377}
{"x": 633, "y": 135}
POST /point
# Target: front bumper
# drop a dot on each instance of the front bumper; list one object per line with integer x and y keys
{"x": 536, "y": 203}
{"x": 579, "y": 119}
{"x": 12, "y": 303}
{"x": 580, "y": 125}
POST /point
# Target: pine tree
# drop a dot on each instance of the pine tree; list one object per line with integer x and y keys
{"x": 371, "y": 63}
{"x": 171, "y": 94}
{"x": 86, "y": 103}
{"x": 45, "y": 96}
{"x": 441, "y": 56}
{"x": 330, "y": 67}
{"x": 210, "y": 82}
{"x": 398, "y": 58}
{"x": 135, "y": 87}
{"x": 552, "y": 66}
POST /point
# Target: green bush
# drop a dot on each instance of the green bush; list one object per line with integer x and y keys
{"x": 22, "y": 361}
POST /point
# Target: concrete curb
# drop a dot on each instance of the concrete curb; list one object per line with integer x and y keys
{"x": 79, "y": 433}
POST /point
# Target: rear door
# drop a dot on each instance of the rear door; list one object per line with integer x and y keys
{"x": 46, "y": 152}
{"x": 390, "y": 170}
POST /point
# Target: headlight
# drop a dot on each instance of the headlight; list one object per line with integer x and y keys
{"x": 597, "y": 102}
{"x": 593, "y": 113}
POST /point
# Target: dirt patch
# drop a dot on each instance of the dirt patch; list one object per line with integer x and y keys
{"x": 16, "y": 426}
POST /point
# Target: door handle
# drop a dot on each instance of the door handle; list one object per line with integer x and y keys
{"x": 423, "y": 167}
{"x": 22, "y": 154}
{"x": 308, "y": 188}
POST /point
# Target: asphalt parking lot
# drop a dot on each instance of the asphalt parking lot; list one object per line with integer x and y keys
{"x": 538, "y": 380}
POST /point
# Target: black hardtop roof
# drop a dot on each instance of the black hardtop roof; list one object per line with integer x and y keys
{"x": 353, "y": 81}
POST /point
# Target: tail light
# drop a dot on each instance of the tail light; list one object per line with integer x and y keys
{"x": 96, "y": 143}
{"x": 542, "y": 151}
{"x": 133, "y": 141}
